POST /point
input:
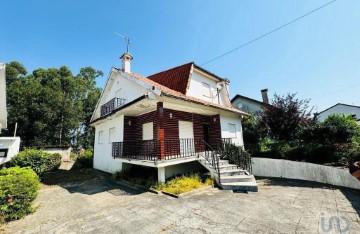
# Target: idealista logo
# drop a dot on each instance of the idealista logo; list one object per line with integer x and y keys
{"x": 341, "y": 224}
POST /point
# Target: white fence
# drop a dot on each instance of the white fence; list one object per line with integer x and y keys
{"x": 280, "y": 168}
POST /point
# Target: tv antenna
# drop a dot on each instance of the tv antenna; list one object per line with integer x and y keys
{"x": 127, "y": 39}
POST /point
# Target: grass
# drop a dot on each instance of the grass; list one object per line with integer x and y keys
{"x": 183, "y": 184}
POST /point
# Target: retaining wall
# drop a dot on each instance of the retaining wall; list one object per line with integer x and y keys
{"x": 280, "y": 168}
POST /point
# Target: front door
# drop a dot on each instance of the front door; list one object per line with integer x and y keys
{"x": 186, "y": 138}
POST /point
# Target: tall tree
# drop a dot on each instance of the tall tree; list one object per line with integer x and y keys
{"x": 284, "y": 117}
{"x": 51, "y": 105}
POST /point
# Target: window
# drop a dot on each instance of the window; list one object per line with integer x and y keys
{"x": 232, "y": 130}
{"x": 206, "y": 90}
{"x": 111, "y": 135}
{"x": 100, "y": 137}
{"x": 147, "y": 133}
{"x": 3, "y": 153}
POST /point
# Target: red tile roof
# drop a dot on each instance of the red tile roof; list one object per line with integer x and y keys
{"x": 173, "y": 93}
{"x": 176, "y": 78}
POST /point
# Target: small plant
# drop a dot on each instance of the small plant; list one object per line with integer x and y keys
{"x": 18, "y": 188}
{"x": 84, "y": 160}
{"x": 183, "y": 184}
{"x": 39, "y": 160}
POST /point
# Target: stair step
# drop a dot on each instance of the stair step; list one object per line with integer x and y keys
{"x": 237, "y": 178}
{"x": 240, "y": 186}
{"x": 233, "y": 172}
{"x": 228, "y": 167}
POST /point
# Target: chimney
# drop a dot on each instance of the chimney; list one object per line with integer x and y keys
{"x": 265, "y": 95}
{"x": 126, "y": 61}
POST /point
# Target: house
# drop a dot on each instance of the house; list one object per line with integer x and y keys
{"x": 250, "y": 105}
{"x": 339, "y": 108}
{"x": 171, "y": 120}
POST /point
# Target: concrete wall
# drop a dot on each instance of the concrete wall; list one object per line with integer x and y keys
{"x": 340, "y": 109}
{"x": 304, "y": 171}
{"x": 64, "y": 152}
{"x": 183, "y": 168}
{"x": 103, "y": 159}
{"x": 225, "y": 120}
{"x": 12, "y": 144}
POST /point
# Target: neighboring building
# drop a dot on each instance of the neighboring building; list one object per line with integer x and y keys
{"x": 9, "y": 146}
{"x": 250, "y": 105}
{"x": 339, "y": 109}
{"x": 171, "y": 120}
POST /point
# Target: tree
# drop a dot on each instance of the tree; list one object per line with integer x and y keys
{"x": 284, "y": 117}
{"x": 51, "y": 105}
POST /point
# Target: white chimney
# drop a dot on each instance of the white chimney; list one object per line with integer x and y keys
{"x": 265, "y": 95}
{"x": 126, "y": 61}
{"x": 3, "y": 112}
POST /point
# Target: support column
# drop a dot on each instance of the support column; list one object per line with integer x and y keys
{"x": 161, "y": 174}
{"x": 160, "y": 128}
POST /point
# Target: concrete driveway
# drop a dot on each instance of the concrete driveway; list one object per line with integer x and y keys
{"x": 102, "y": 206}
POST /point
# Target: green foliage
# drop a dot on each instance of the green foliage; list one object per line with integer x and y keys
{"x": 18, "y": 188}
{"x": 137, "y": 175}
{"x": 284, "y": 117}
{"x": 84, "y": 160}
{"x": 52, "y": 106}
{"x": 252, "y": 133}
{"x": 40, "y": 161}
{"x": 183, "y": 184}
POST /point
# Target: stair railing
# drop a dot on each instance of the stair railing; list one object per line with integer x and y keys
{"x": 212, "y": 158}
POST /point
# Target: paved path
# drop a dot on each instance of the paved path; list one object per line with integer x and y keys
{"x": 101, "y": 206}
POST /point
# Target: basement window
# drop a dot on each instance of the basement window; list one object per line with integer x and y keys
{"x": 232, "y": 130}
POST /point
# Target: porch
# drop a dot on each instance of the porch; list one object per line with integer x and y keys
{"x": 157, "y": 151}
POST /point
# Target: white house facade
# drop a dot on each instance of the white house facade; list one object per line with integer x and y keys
{"x": 166, "y": 120}
{"x": 340, "y": 109}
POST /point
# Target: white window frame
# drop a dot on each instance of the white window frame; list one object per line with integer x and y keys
{"x": 100, "y": 137}
{"x": 232, "y": 126}
{"x": 111, "y": 134}
{"x": 206, "y": 90}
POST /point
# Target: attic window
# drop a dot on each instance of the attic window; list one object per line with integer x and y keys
{"x": 206, "y": 90}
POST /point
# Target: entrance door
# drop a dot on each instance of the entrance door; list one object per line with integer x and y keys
{"x": 186, "y": 138}
{"x": 206, "y": 136}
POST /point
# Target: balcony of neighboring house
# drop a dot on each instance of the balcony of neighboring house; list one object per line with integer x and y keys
{"x": 112, "y": 105}
{"x": 158, "y": 151}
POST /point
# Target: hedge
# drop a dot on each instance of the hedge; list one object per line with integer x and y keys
{"x": 18, "y": 188}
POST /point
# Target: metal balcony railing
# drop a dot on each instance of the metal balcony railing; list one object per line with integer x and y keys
{"x": 112, "y": 105}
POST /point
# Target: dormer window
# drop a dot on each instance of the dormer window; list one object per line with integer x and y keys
{"x": 206, "y": 90}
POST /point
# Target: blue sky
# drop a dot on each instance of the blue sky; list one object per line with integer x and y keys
{"x": 318, "y": 57}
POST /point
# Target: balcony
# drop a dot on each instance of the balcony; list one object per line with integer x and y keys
{"x": 167, "y": 149}
{"x": 112, "y": 105}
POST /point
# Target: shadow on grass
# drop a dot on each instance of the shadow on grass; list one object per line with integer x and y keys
{"x": 352, "y": 195}
{"x": 87, "y": 181}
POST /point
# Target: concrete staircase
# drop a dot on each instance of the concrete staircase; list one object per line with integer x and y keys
{"x": 231, "y": 177}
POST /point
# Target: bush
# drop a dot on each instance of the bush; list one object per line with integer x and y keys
{"x": 236, "y": 155}
{"x": 85, "y": 160}
{"x": 18, "y": 188}
{"x": 39, "y": 160}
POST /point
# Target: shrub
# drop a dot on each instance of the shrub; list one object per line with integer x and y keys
{"x": 84, "y": 160}
{"x": 18, "y": 188}
{"x": 39, "y": 160}
{"x": 236, "y": 155}
{"x": 183, "y": 184}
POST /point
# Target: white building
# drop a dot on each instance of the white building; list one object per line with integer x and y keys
{"x": 250, "y": 105}
{"x": 166, "y": 120}
{"x": 340, "y": 109}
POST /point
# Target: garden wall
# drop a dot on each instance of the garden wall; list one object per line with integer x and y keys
{"x": 267, "y": 167}
{"x": 65, "y": 152}
{"x": 11, "y": 145}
